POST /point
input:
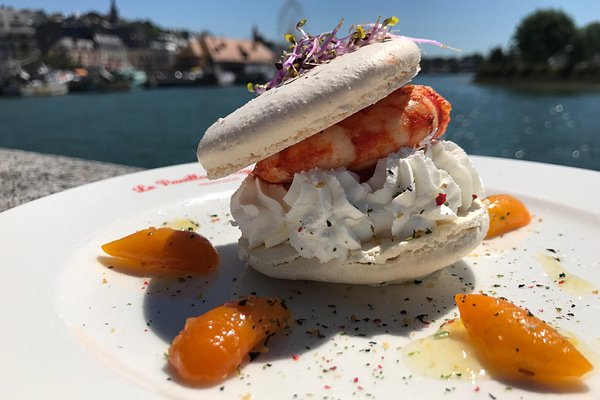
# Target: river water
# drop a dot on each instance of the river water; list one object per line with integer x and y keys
{"x": 152, "y": 128}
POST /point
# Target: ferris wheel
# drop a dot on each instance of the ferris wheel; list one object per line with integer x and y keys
{"x": 290, "y": 13}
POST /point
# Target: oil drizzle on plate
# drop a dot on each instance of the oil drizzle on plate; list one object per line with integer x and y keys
{"x": 565, "y": 280}
{"x": 182, "y": 224}
{"x": 447, "y": 354}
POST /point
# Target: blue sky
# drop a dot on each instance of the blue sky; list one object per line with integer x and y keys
{"x": 473, "y": 26}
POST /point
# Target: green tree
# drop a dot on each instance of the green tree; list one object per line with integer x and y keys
{"x": 497, "y": 55}
{"x": 151, "y": 30}
{"x": 58, "y": 61}
{"x": 590, "y": 35}
{"x": 546, "y": 33}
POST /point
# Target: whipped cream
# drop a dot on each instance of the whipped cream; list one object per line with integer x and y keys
{"x": 328, "y": 214}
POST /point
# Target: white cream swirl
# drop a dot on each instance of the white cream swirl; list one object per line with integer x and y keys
{"x": 327, "y": 214}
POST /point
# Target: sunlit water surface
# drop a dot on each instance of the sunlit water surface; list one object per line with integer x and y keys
{"x": 152, "y": 128}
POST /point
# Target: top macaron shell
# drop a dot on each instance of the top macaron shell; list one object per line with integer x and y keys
{"x": 302, "y": 107}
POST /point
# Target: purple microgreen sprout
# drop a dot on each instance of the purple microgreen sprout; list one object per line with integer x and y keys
{"x": 306, "y": 52}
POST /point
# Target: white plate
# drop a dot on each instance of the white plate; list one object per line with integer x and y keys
{"x": 73, "y": 328}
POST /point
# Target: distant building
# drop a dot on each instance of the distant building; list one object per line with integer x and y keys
{"x": 248, "y": 60}
{"x": 17, "y": 39}
{"x": 113, "y": 14}
{"x": 192, "y": 56}
{"x": 102, "y": 50}
{"x": 80, "y": 52}
{"x": 111, "y": 50}
{"x": 158, "y": 55}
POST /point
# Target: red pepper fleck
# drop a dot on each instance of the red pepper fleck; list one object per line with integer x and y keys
{"x": 440, "y": 199}
{"x": 561, "y": 282}
{"x": 333, "y": 368}
{"x": 476, "y": 389}
{"x": 299, "y": 229}
{"x": 326, "y": 387}
{"x": 474, "y": 196}
{"x": 359, "y": 387}
{"x": 295, "y": 357}
{"x": 355, "y": 380}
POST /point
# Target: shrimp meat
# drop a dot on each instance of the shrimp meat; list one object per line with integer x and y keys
{"x": 411, "y": 116}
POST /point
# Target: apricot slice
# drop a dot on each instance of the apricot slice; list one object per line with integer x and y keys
{"x": 168, "y": 248}
{"x": 516, "y": 344}
{"x": 506, "y": 214}
{"x": 212, "y": 346}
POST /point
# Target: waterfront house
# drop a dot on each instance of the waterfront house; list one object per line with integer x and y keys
{"x": 159, "y": 54}
{"x": 78, "y": 51}
{"x": 248, "y": 60}
{"x": 111, "y": 51}
{"x": 18, "y": 46}
{"x": 102, "y": 50}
